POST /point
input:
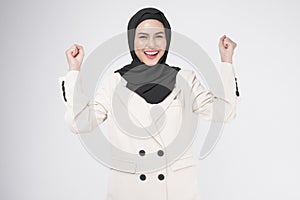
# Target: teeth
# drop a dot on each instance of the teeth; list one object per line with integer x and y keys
{"x": 151, "y": 53}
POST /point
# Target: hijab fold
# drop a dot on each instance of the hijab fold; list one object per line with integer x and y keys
{"x": 153, "y": 83}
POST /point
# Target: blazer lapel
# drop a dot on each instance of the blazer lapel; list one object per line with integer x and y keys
{"x": 164, "y": 105}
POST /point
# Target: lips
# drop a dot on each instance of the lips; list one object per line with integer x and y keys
{"x": 151, "y": 54}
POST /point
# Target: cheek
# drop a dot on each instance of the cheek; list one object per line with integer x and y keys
{"x": 138, "y": 48}
{"x": 139, "y": 44}
{"x": 161, "y": 43}
{"x": 161, "y": 53}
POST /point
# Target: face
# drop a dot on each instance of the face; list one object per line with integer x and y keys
{"x": 150, "y": 41}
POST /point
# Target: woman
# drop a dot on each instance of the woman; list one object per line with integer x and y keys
{"x": 150, "y": 81}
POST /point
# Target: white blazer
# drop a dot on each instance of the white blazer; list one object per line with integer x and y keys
{"x": 177, "y": 181}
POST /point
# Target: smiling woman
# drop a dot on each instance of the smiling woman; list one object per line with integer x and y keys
{"x": 150, "y": 172}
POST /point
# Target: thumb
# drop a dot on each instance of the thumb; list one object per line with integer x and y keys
{"x": 221, "y": 41}
{"x": 69, "y": 55}
{"x": 81, "y": 53}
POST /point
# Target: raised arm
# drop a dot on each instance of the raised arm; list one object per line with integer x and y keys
{"x": 205, "y": 101}
{"x": 82, "y": 114}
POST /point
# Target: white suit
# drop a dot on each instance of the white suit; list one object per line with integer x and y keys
{"x": 175, "y": 182}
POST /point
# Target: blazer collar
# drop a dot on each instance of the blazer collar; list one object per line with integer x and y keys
{"x": 164, "y": 105}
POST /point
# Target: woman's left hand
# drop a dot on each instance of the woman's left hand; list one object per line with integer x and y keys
{"x": 226, "y": 48}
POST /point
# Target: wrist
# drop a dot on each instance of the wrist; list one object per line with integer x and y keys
{"x": 74, "y": 68}
{"x": 228, "y": 60}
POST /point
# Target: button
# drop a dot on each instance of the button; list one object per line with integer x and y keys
{"x": 161, "y": 177}
{"x": 237, "y": 93}
{"x": 160, "y": 153}
{"x": 142, "y": 152}
{"x": 143, "y": 177}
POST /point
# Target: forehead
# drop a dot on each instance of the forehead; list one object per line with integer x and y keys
{"x": 150, "y": 25}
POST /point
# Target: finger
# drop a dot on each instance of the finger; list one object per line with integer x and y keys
{"x": 80, "y": 57}
{"x": 227, "y": 44}
{"x": 79, "y": 46}
{"x": 69, "y": 55}
{"x": 223, "y": 37}
{"x": 71, "y": 52}
{"x": 81, "y": 51}
{"x": 75, "y": 50}
{"x": 226, "y": 41}
{"x": 73, "y": 47}
{"x": 229, "y": 41}
{"x": 221, "y": 41}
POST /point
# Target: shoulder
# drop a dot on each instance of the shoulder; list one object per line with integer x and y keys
{"x": 108, "y": 82}
{"x": 111, "y": 79}
{"x": 185, "y": 75}
{"x": 186, "y": 72}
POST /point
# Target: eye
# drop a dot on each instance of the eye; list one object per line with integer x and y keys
{"x": 160, "y": 36}
{"x": 142, "y": 37}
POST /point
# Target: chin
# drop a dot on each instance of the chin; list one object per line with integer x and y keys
{"x": 151, "y": 63}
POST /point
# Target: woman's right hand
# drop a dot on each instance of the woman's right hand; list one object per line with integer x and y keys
{"x": 75, "y": 56}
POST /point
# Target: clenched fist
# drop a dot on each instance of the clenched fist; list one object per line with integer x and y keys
{"x": 226, "y": 48}
{"x": 75, "y": 56}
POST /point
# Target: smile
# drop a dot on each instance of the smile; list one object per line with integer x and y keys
{"x": 151, "y": 54}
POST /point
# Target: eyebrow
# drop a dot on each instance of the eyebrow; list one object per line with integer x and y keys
{"x": 148, "y": 34}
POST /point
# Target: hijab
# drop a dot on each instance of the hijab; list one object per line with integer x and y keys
{"x": 153, "y": 83}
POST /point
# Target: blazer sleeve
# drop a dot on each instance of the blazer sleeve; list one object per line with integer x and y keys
{"x": 83, "y": 114}
{"x": 214, "y": 107}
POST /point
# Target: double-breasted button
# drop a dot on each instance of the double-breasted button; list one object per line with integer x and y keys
{"x": 143, "y": 177}
{"x": 161, "y": 177}
{"x": 160, "y": 152}
{"x": 63, "y": 89}
{"x": 142, "y": 152}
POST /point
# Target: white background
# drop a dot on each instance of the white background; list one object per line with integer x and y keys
{"x": 258, "y": 154}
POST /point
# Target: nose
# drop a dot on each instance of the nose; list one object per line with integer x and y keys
{"x": 151, "y": 43}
